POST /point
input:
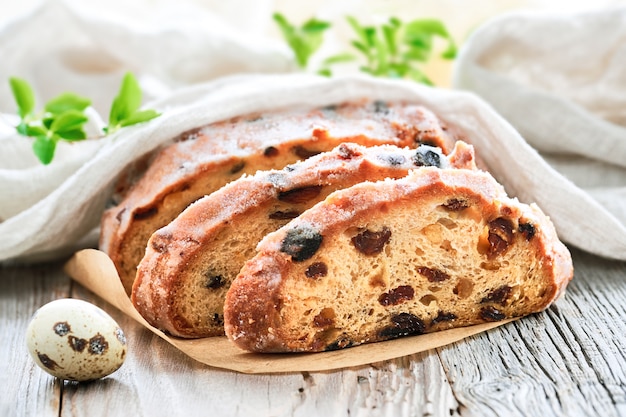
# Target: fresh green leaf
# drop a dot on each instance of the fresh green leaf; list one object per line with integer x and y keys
{"x": 24, "y": 96}
{"x": 70, "y": 120}
{"x": 416, "y": 54}
{"x": 389, "y": 33}
{"x": 35, "y": 131}
{"x": 325, "y": 72}
{"x": 22, "y": 129}
{"x": 282, "y": 22}
{"x": 397, "y": 49}
{"x": 139, "y": 117}
{"x": 451, "y": 51}
{"x": 427, "y": 26}
{"x": 127, "y": 100}
{"x": 63, "y": 117}
{"x": 363, "y": 38}
{"x": 339, "y": 58}
{"x": 370, "y": 36}
{"x": 382, "y": 56}
{"x": 425, "y": 29}
{"x": 44, "y": 148}
{"x": 124, "y": 110}
{"x": 72, "y": 135}
{"x": 419, "y": 41}
{"x": 65, "y": 102}
{"x": 362, "y": 48}
{"x": 304, "y": 41}
{"x": 313, "y": 26}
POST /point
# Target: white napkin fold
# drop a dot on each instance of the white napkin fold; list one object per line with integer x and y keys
{"x": 60, "y": 46}
{"x": 561, "y": 81}
{"x": 74, "y": 189}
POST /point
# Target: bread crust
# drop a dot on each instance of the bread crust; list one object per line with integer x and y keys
{"x": 446, "y": 248}
{"x": 203, "y": 160}
{"x": 190, "y": 263}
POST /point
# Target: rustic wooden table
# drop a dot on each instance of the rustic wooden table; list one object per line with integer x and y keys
{"x": 567, "y": 361}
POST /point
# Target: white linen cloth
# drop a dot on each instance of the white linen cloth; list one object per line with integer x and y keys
{"x": 49, "y": 211}
{"x": 561, "y": 81}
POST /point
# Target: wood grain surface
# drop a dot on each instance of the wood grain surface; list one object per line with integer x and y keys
{"x": 567, "y": 361}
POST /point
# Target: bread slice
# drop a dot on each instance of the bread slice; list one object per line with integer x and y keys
{"x": 190, "y": 263}
{"x": 203, "y": 160}
{"x": 434, "y": 250}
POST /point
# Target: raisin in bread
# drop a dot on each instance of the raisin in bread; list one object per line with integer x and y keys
{"x": 203, "y": 160}
{"x": 434, "y": 250}
{"x": 190, "y": 263}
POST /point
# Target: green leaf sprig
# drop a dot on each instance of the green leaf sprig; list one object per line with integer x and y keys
{"x": 394, "y": 49}
{"x": 397, "y": 49}
{"x": 304, "y": 41}
{"x": 125, "y": 108}
{"x": 63, "y": 117}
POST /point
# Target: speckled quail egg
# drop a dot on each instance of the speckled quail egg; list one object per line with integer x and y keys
{"x": 75, "y": 340}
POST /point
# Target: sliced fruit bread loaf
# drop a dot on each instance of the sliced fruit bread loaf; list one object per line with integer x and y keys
{"x": 190, "y": 263}
{"x": 434, "y": 250}
{"x": 203, "y": 160}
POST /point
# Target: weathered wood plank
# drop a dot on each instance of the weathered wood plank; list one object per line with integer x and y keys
{"x": 569, "y": 360}
{"x": 26, "y": 390}
{"x": 159, "y": 380}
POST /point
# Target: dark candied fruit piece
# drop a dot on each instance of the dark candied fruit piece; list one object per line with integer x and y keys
{"x": 341, "y": 343}
{"x": 500, "y": 236}
{"x": 214, "y": 281}
{"x": 498, "y": 295}
{"x": 456, "y": 204}
{"x": 380, "y": 107}
{"x": 145, "y": 213}
{"x": 218, "y": 319}
{"x": 189, "y": 135}
{"x": 371, "y": 243}
{"x": 393, "y": 160}
{"x": 304, "y": 153}
{"x": 428, "y": 142}
{"x": 427, "y": 156}
{"x": 326, "y": 318}
{"x": 160, "y": 240}
{"x": 347, "y": 153}
{"x": 490, "y": 313}
{"x": 237, "y": 167}
{"x": 300, "y": 195}
{"x": 433, "y": 275}
{"x": 301, "y": 243}
{"x": 442, "y": 317}
{"x": 316, "y": 270}
{"x": 270, "y": 151}
{"x": 284, "y": 215}
{"x": 119, "y": 215}
{"x": 397, "y": 295}
{"x": 527, "y": 230}
{"x": 403, "y": 324}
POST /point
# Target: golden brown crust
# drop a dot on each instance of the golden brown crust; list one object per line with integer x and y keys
{"x": 434, "y": 250}
{"x": 203, "y": 160}
{"x": 189, "y": 264}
